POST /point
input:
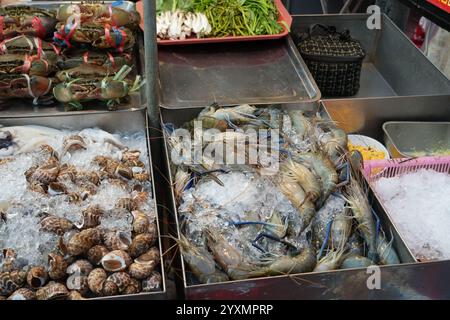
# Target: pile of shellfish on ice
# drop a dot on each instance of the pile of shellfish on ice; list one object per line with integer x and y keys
{"x": 77, "y": 214}
{"x": 238, "y": 222}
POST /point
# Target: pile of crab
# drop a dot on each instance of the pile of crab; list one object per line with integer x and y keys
{"x": 304, "y": 210}
{"x": 77, "y": 215}
{"x": 81, "y": 52}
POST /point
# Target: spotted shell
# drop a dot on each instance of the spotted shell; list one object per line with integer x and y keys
{"x": 151, "y": 255}
{"x": 96, "y": 253}
{"x": 81, "y": 242}
{"x": 96, "y": 279}
{"x": 133, "y": 287}
{"x": 152, "y": 283}
{"x": 80, "y": 267}
{"x": 78, "y": 283}
{"x": 11, "y": 281}
{"x": 140, "y": 244}
{"x": 73, "y": 143}
{"x": 116, "y": 240}
{"x": 54, "y": 224}
{"x": 75, "y": 295}
{"x": 117, "y": 260}
{"x": 141, "y": 271}
{"x": 90, "y": 217}
{"x": 37, "y": 277}
{"x": 142, "y": 176}
{"x": 140, "y": 222}
{"x": 56, "y": 188}
{"x": 57, "y": 266}
{"x": 67, "y": 173}
{"x": 116, "y": 283}
{"x": 22, "y": 294}
{"x": 46, "y": 173}
{"x": 124, "y": 171}
{"x": 52, "y": 291}
{"x": 130, "y": 155}
{"x": 127, "y": 204}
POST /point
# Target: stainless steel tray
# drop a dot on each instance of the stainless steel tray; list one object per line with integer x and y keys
{"x": 19, "y": 108}
{"x": 233, "y": 73}
{"x": 125, "y": 121}
{"x": 393, "y": 65}
{"x": 340, "y": 284}
{"x": 416, "y": 138}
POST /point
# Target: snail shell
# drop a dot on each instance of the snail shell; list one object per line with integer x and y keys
{"x": 96, "y": 279}
{"x": 81, "y": 242}
{"x": 152, "y": 283}
{"x": 88, "y": 177}
{"x": 46, "y": 173}
{"x": 96, "y": 253}
{"x": 73, "y": 143}
{"x": 133, "y": 287}
{"x": 130, "y": 155}
{"x": 139, "y": 198}
{"x": 80, "y": 267}
{"x": 49, "y": 151}
{"x": 140, "y": 244}
{"x": 90, "y": 217}
{"x": 78, "y": 283}
{"x": 116, "y": 283}
{"x": 9, "y": 259}
{"x": 150, "y": 255}
{"x": 116, "y": 240}
{"x": 57, "y": 266}
{"x": 38, "y": 187}
{"x": 140, "y": 222}
{"x": 117, "y": 260}
{"x": 141, "y": 271}
{"x": 75, "y": 295}
{"x": 67, "y": 172}
{"x": 127, "y": 204}
{"x": 37, "y": 277}
{"x": 142, "y": 176}
{"x": 57, "y": 225}
{"x": 53, "y": 290}
{"x": 22, "y": 294}
{"x": 11, "y": 281}
{"x": 56, "y": 188}
{"x": 124, "y": 171}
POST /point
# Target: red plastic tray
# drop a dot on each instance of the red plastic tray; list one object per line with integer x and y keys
{"x": 283, "y": 16}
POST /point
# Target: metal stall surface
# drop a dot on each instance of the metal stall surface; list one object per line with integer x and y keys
{"x": 393, "y": 65}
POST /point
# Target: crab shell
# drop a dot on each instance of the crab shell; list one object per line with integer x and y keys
{"x": 81, "y": 242}
{"x": 22, "y": 294}
{"x": 37, "y": 277}
{"x": 96, "y": 279}
{"x": 116, "y": 283}
{"x": 133, "y": 287}
{"x": 78, "y": 283}
{"x": 140, "y": 244}
{"x": 57, "y": 225}
{"x": 116, "y": 240}
{"x": 140, "y": 222}
{"x": 80, "y": 267}
{"x": 96, "y": 253}
{"x": 117, "y": 260}
{"x": 57, "y": 266}
{"x": 52, "y": 291}
{"x": 152, "y": 283}
{"x": 11, "y": 281}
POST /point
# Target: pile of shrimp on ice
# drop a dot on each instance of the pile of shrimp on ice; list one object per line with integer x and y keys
{"x": 244, "y": 221}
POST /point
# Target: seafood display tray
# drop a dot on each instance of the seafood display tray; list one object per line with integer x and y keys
{"x": 234, "y": 73}
{"x": 367, "y": 116}
{"x": 125, "y": 121}
{"x": 340, "y": 284}
{"x": 393, "y": 66}
{"x": 284, "y": 20}
{"x": 19, "y": 108}
{"x": 410, "y": 138}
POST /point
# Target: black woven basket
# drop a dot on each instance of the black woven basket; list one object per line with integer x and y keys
{"x": 333, "y": 58}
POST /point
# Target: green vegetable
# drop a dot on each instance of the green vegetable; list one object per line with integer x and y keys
{"x": 239, "y": 17}
{"x": 172, "y": 5}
